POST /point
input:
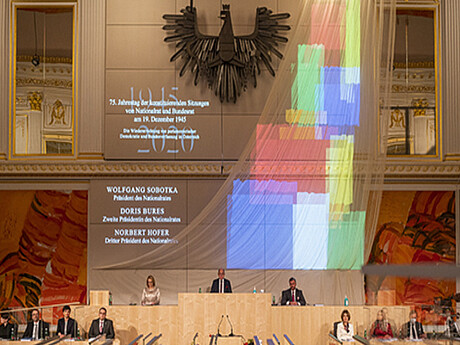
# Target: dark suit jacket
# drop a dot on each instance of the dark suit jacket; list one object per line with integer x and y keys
{"x": 215, "y": 285}
{"x": 418, "y": 328}
{"x": 108, "y": 329}
{"x": 298, "y": 296}
{"x": 43, "y": 329}
{"x": 71, "y": 327}
{"x": 5, "y": 331}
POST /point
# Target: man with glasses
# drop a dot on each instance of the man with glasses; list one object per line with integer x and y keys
{"x": 101, "y": 326}
{"x": 36, "y": 329}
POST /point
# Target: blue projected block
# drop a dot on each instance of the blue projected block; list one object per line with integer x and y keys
{"x": 260, "y": 222}
{"x": 245, "y": 246}
{"x": 279, "y": 245}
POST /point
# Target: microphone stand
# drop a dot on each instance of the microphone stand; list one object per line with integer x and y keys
{"x": 231, "y": 327}
{"x": 218, "y": 326}
{"x": 194, "y": 338}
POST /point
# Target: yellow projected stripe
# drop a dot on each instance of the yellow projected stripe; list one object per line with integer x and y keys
{"x": 301, "y": 117}
{"x": 301, "y": 133}
{"x": 339, "y": 165}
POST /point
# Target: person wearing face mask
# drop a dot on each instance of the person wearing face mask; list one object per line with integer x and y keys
{"x": 413, "y": 329}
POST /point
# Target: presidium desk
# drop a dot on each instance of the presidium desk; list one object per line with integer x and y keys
{"x": 250, "y": 313}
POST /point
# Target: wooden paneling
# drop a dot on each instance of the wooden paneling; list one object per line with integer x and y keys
{"x": 250, "y": 314}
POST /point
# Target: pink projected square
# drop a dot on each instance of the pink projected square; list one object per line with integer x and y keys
{"x": 294, "y": 144}
{"x": 314, "y": 185}
{"x": 271, "y": 150}
{"x": 327, "y": 35}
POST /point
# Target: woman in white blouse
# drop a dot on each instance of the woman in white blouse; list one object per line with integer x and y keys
{"x": 345, "y": 328}
{"x": 151, "y": 293}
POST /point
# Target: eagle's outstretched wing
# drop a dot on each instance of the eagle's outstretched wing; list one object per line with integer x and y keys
{"x": 195, "y": 49}
{"x": 259, "y": 46}
{"x": 203, "y": 56}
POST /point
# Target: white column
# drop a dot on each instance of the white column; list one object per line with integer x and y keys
{"x": 450, "y": 37}
{"x": 90, "y": 128}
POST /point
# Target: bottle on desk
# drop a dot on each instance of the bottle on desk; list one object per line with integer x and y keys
{"x": 12, "y": 333}
{"x": 365, "y": 333}
{"x": 254, "y": 291}
{"x": 199, "y": 290}
{"x": 345, "y": 301}
{"x": 78, "y": 334}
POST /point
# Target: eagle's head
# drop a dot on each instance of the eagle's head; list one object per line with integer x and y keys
{"x": 225, "y": 11}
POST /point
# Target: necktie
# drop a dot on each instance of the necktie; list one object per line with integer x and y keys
{"x": 221, "y": 286}
{"x": 293, "y": 295}
{"x": 35, "y": 335}
{"x": 101, "y": 327}
{"x": 414, "y": 332}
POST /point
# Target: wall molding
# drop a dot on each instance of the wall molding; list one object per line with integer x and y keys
{"x": 84, "y": 169}
{"x": 94, "y": 168}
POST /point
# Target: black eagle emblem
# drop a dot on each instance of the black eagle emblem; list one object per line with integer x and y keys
{"x": 227, "y": 62}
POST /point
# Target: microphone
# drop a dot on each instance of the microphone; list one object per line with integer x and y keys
{"x": 220, "y": 322}
{"x": 231, "y": 327}
{"x": 194, "y": 338}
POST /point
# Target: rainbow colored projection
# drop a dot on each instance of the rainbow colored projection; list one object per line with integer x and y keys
{"x": 302, "y": 218}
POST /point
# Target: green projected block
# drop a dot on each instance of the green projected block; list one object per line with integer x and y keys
{"x": 346, "y": 242}
{"x": 306, "y": 88}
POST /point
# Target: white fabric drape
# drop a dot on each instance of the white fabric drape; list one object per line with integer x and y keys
{"x": 298, "y": 197}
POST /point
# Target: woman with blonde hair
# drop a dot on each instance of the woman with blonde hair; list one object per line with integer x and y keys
{"x": 381, "y": 328}
{"x": 151, "y": 293}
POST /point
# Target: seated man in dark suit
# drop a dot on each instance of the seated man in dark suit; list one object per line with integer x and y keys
{"x": 221, "y": 285}
{"x": 6, "y": 328}
{"x": 36, "y": 328}
{"x": 66, "y": 325}
{"x": 293, "y": 296}
{"x": 413, "y": 329}
{"x": 102, "y": 326}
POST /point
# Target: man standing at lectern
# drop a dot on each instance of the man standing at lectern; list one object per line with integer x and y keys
{"x": 221, "y": 285}
{"x": 293, "y": 296}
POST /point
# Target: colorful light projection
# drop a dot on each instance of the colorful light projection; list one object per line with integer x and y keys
{"x": 301, "y": 219}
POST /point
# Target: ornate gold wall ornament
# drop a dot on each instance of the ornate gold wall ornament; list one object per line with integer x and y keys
{"x": 43, "y": 83}
{"x": 44, "y": 59}
{"x": 397, "y": 119}
{"x": 35, "y": 100}
{"x": 57, "y": 113}
{"x": 420, "y": 105}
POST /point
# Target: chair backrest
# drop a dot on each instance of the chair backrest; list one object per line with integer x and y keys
{"x": 335, "y": 327}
